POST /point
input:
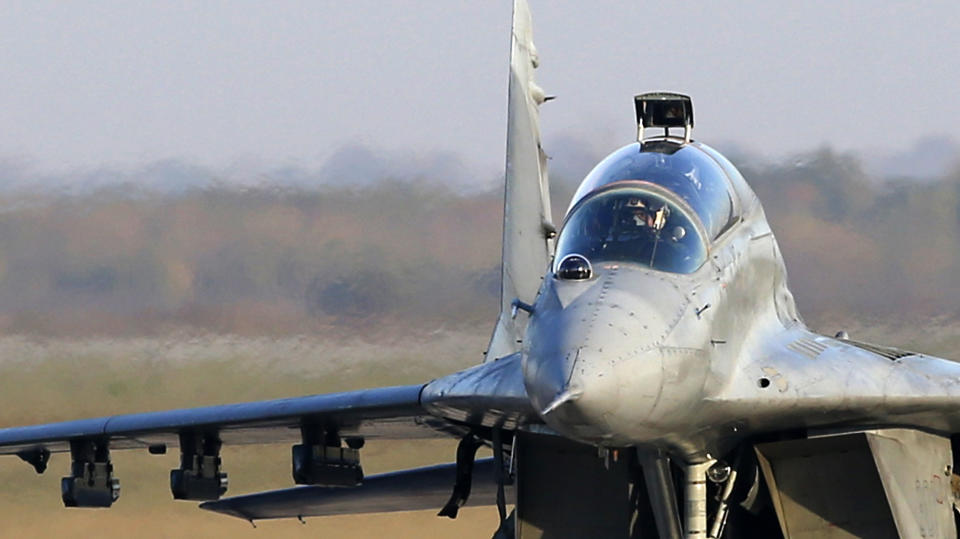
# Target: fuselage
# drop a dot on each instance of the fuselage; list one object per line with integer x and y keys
{"x": 689, "y": 359}
{"x": 631, "y": 350}
{"x": 665, "y": 321}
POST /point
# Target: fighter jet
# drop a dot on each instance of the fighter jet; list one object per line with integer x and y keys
{"x": 648, "y": 376}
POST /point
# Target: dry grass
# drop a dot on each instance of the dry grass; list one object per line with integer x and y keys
{"x": 48, "y": 379}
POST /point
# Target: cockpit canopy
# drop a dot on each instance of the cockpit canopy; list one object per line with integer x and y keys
{"x": 634, "y": 222}
{"x": 686, "y": 170}
{"x": 659, "y": 204}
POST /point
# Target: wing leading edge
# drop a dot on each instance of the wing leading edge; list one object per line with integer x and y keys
{"x": 389, "y": 412}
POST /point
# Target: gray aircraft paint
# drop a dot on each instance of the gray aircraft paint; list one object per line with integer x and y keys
{"x": 664, "y": 364}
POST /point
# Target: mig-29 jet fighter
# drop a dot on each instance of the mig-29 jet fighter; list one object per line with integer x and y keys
{"x": 648, "y": 376}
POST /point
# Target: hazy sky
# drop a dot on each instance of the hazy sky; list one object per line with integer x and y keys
{"x": 216, "y": 83}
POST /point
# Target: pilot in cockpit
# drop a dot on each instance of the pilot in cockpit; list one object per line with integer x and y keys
{"x": 648, "y": 224}
{"x": 641, "y": 217}
{"x": 639, "y": 213}
{"x": 638, "y": 227}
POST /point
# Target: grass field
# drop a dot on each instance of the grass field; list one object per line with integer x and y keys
{"x": 48, "y": 379}
{"x": 58, "y": 379}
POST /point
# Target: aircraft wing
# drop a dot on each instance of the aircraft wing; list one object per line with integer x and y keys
{"x": 390, "y": 412}
{"x": 330, "y": 430}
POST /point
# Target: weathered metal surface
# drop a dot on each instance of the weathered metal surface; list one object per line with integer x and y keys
{"x": 826, "y": 488}
{"x": 915, "y": 468}
{"x": 879, "y": 483}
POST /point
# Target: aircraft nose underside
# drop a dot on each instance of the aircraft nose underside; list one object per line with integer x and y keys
{"x": 594, "y": 370}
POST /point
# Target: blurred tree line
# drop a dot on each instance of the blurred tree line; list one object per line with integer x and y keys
{"x": 860, "y": 246}
{"x": 253, "y": 260}
{"x": 283, "y": 260}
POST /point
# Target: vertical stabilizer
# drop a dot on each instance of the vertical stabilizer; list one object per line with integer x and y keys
{"x": 527, "y": 231}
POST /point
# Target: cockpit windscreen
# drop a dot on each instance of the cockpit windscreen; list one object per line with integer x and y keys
{"x": 634, "y": 223}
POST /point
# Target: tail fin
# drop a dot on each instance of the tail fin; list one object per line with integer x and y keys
{"x": 527, "y": 230}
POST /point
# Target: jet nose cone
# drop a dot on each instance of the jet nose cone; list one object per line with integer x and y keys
{"x": 578, "y": 399}
{"x": 553, "y": 382}
{"x": 592, "y": 363}
{"x": 596, "y": 397}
